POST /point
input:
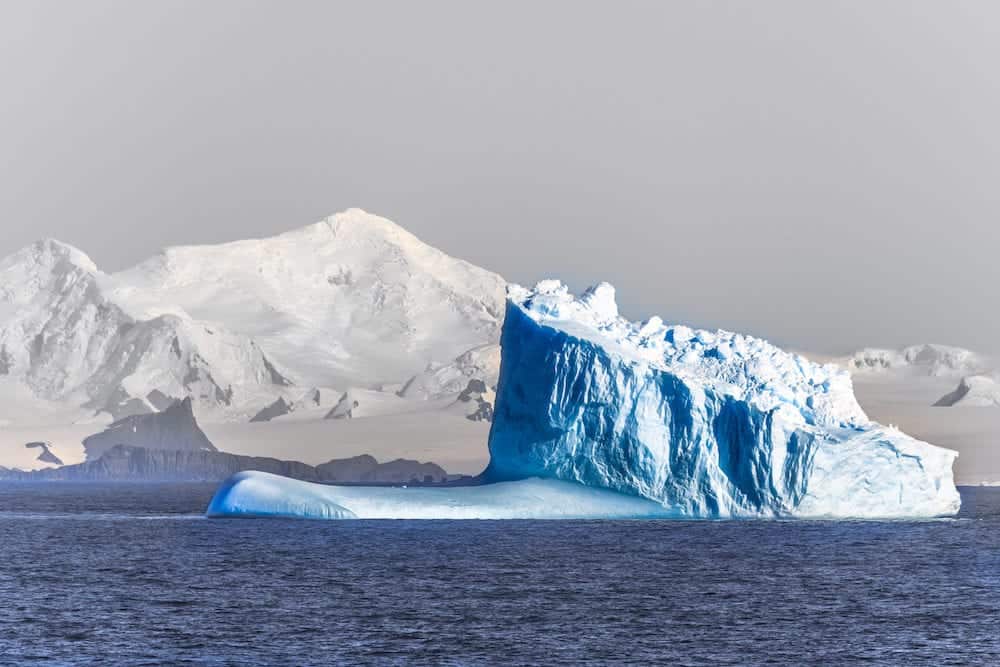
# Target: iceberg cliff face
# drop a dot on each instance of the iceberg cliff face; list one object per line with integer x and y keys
{"x": 709, "y": 424}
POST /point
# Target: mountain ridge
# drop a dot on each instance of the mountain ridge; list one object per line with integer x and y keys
{"x": 352, "y": 300}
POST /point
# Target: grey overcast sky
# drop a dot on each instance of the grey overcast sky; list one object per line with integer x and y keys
{"x": 825, "y": 174}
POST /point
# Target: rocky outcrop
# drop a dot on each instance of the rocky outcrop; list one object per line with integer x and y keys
{"x": 366, "y": 469}
{"x": 46, "y": 455}
{"x": 479, "y": 399}
{"x": 277, "y": 409}
{"x": 174, "y": 429}
{"x": 344, "y": 409}
{"x": 130, "y": 463}
{"x": 974, "y": 391}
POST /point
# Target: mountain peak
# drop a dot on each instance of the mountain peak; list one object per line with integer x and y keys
{"x": 370, "y": 301}
{"x": 49, "y": 252}
{"x": 351, "y": 227}
{"x": 355, "y": 222}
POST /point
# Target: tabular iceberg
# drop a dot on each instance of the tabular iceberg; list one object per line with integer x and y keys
{"x": 710, "y": 424}
{"x": 598, "y": 417}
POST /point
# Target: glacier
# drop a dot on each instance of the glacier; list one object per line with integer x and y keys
{"x": 600, "y": 417}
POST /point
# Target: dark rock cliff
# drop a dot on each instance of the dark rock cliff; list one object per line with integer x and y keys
{"x": 174, "y": 429}
{"x": 130, "y": 463}
{"x": 365, "y": 468}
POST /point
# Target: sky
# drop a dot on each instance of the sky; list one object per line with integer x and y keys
{"x": 821, "y": 174}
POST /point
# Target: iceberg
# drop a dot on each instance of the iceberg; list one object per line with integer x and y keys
{"x": 599, "y": 417}
{"x": 261, "y": 494}
{"x": 709, "y": 423}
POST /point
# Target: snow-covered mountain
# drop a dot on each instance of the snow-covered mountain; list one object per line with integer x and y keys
{"x": 65, "y": 340}
{"x": 974, "y": 391}
{"x": 927, "y": 359}
{"x": 352, "y": 301}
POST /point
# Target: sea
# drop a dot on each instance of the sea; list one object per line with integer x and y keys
{"x": 133, "y": 574}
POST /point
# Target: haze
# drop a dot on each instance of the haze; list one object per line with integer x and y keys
{"x": 822, "y": 175}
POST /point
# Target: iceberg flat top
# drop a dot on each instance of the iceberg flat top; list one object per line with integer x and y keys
{"x": 744, "y": 367}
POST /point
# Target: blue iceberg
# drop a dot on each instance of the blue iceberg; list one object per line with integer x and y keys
{"x": 709, "y": 423}
{"x": 261, "y": 494}
{"x": 599, "y": 417}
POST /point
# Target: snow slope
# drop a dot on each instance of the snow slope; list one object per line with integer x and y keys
{"x": 974, "y": 391}
{"x": 357, "y": 403}
{"x": 710, "y": 424}
{"x": 354, "y": 300}
{"x": 440, "y": 380}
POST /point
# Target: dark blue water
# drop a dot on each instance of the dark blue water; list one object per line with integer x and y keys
{"x": 128, "y": 574}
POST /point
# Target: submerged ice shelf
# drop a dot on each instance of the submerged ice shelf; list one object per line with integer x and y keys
{"x": 600, "y": 417}
{"x": 261, "y": 494}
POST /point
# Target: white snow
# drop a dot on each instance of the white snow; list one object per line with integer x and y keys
{"x": 444, "y": 380}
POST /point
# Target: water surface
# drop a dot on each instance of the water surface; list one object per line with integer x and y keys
{"x": 132, "y": 574}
